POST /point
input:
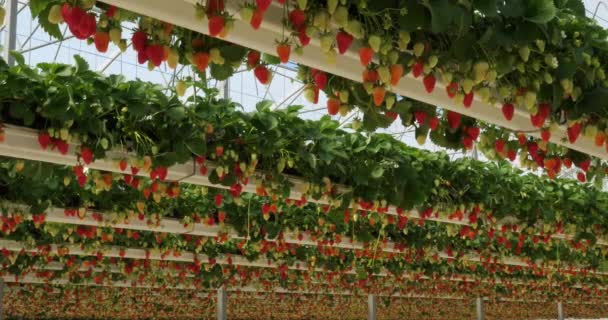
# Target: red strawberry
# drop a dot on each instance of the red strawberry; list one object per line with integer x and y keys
{"x": 303, "y": 37}
{"x": 102, "y": 41}
{"x": 453, "y": 119}
{"x": 320, "y": 79}
{"x": 236, "y": 190}
{"x": 283, "y": 51}
{"x": 253, "y": 58}
{"x": 218, "y": 200}
{"x": 508, "y": 110}
{"x": 201, "y": 59}
{"x": 62, "y": 146}
{"x": 66, "y": 13}
{"x": 142, "y": 57}
{"x": 82, "y": 180}
{"x": 333, "y": 106}
{"x": 473, "y": 132}
{"x": 155, "y": 54}
{"x": 467, "y": 142}
{"x": 370, "y": 75}
{"x": 452, "y": 89}
{"x": 379, "y": 93}
{"x": 574, "y": 131}
{"x": 429, "y": 83}
{"x": 78, "y": 170}
{"x": 499, "y": 145}
{"x": 417, "y": 69}
{"x": 221, "y": 216}
{"x": 263, "y": 5}
{"x": 585, "y": 164}
{"x": 511, "y": 154}
{"x": 86, "y": 155}
{"x": 139, "y": 40}
{"x": 433, "y": 123}
{"x": 468, "y": 99}
{"x": 567, "y": 163}
{"x": 420, "y": 117}
{"x": 545, "y": 135}
{"x": 216, "y": 25}
{"x": 544, "y": 110}
{"x": 396, "y": 73}
{"x": 44, "y": 139}
{"x": 219, "y": 151}
{"x": 122, "y": 165}
{"x": 297, "y": 18}
{"x": 344, "y": 41}
{"x": 214, "y": 6}
{"x": 392, "y": 115}
{"x": 262, "y": 74}
{"x": 365, "y": 55}
{"x": 581, "y": 177}
{"x": 111, "y": 12}
{"x": 256, "y": 19}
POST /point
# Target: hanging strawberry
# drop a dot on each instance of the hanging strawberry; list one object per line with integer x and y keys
{"x": 365, "y": 55}
{"x": 139, "y": 40}
{"x": 417, "y": 69}
{"x": 216, "y": 25}
{"x": 263, "y": 5}
{"x": 256, "y": 19}
{"x": 429, "y": 83}
{"x": 320, "y": 78}
{"x": 379, "y": 94}
{"x": 253, "y": 59}
{"x": 508, "y": 110}
{"x": 453, "y": 119}
{"x": 262, "y": 74}
{"x": 333, "y": 106}
{"x": 201, "y": 59}
{"x": 344, "y": 41}
{"x": 396, "y": 73}
{"x": 283, "y": 51}
{"x": 297, "y": 18}
{"x": 468, "y": 99}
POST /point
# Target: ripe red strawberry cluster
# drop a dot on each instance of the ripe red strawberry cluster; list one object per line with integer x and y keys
{"x": 423, "y": 119}
{"x": 260, "y": 71}
{"x": 45, "y": 140}
{"x": 82, "y": 24}
{"x": 146, "y": 51}
{"x": 297, "y": 18}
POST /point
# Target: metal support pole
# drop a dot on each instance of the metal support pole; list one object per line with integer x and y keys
{"x": 222, "y": 300}
{"x": 10, "y": 40}
{"x": 479, "y": 303}
{"x": 372, "y": 307}
{"x": 560, "y": 311}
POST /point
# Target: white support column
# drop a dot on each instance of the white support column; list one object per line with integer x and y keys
{"x": 372, "y": 307}
{"x": 479, "y": 304}
{"x": 222, "y": 300}
{"x": 560, "y": 311}
{"x": 10, "y": 39}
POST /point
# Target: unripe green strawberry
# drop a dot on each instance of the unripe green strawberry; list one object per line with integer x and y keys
{"x": 331, "y": 6}
{"x": 389, "y": 101}
{"x": 341, "y": 16}
{"x": 418, "y": 49}
{"x": 491, "y": 76}
{"x": 536, "y": 65}
{"x": 576, "y": 93}
{"x": 246, "y": 13}
{"x": 446, "y": 77}
{"x": 312, "y": 31}
{"x": 302, "y": 4}
{"x": 55, "y": 16}
{"x": 331, "y": 56}
{"x": 88, "y": 4}
{"x": 483, "y": 93}
{"x": 298, "y": 50}
{"x": 375, "y": 42}
{"x": 541, "y": 45}
{"x": 344, "y": 95}
{"x": 480, "y": 70}
{"x": 393, "y": 57}
{"x": 433, "y": 60}
{"x": 355, "y": 28}
{"x": 180, "y": 88}
{"x": 567, "y": 85}
{"x": 327, "y": 42}
{"x": 309, "y": 94}
{"x": 356, "y": 124}
{"x": 123, "y": 45}
{"x": 385, "y": 74}
{"x": 64, "y": 134}
{"x": 600, "y": 74}
{"x": 216, "y": 56}
{"x": 551, "y": 61}
{"x": 467, "y": 85}
{"x": 530, "y": 99}
{"x": 421, "y": 139}
{"x": 524, "y": 53}
{"x": 105, "y": 144}
{"x": 321, "y": 20}
{"x": 590, "y": 131}
{"x": 344, "y": 110}
{"x": 548, "y": 78}
{"x": 369, "y": 87}
{"x": 115, "y": 35}
{"x": 404, "y": 40}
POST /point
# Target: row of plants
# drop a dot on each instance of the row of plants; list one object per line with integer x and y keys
{"x": 41, "y": 186}
{"x": 71, "y": 103}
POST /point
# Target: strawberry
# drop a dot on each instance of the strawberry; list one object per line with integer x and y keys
{"x": 180, "y": 88}
{"x": 375, "y": 42}
{"x": 86, "y": 155}
{"x": 508, "y": 111}
{"x": 139, "y": 40}
{"x": 253, "y": 59}
{"x": 82, "y": 180}
{"x": 392, "y": 115}
{"x": 263, "y": 5}
{"x": 320, "y": 79}
{"x": 66, "y": 13}
{"x": 585, "y": 164}
{"x": 453, "y": 119}
{"x": 420, "y": 117}
{"x": 201, "y": 59}
{"x": 218, "y": 200}
{"x": 365, "y": 55}
{"x": 600, "y": 138}
{"x": 467, "y": 142}
{"x": 111, "y": 12}
{"x": 499, "y": 145}
{"x": 545, "y": 135}
{"x": 246, "y": 13}
{"x": 256, "y": 19}
{"x": 283, "y": 51}
{"x": 44, "y": 139}
{"x": 214, "y": 6}
{"x": 123, "y": 165}
{"x": 221, "y": 216}
{"x": 452, "y": 89}
{"x": 155, "y": 53}
{"x": 433, "y": 123}
{"x": 55, "y": 15}
{"x": 62, "y": 146}
{"x": 473, "y": 132}
{"x": 297, "y": 18}
{"x": 219, "y": 151}
{"x": 468, "y": 99}
{"x": 344, "y": 41}
{"x": 429, "y": 83}
{"x": 511, "y": 154}
{"x": 303, "y": 37}
{"x": 142, "y": 57}
{"x": 581, "y": 177}
{"x": 396, "y": 73}
{"x": 333, "y": 106}
{"x": 417, "y": 69}
{"x": 379, "y": 93}
{"x": 370, "y": 75}
{"x": 262, "y": 74}
{"x": 574, "y": 131}
{"x": 216, "y": 25}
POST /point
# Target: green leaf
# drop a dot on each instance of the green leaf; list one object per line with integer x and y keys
{"x": 263, "y": 106}
{"x": 38, "y": 6}
{"x": 540, "y": 11}
{"x": 197, "y": 146}
{"x": 417, "y": 17}
{"x": 177, "y": 113}
{"x": 81, "y": 64}
{"x": 443, "y": 14}
{"x": 270, "y": 59}
{"x": 52, "y": 29}
{"x": 221, "y": 72}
